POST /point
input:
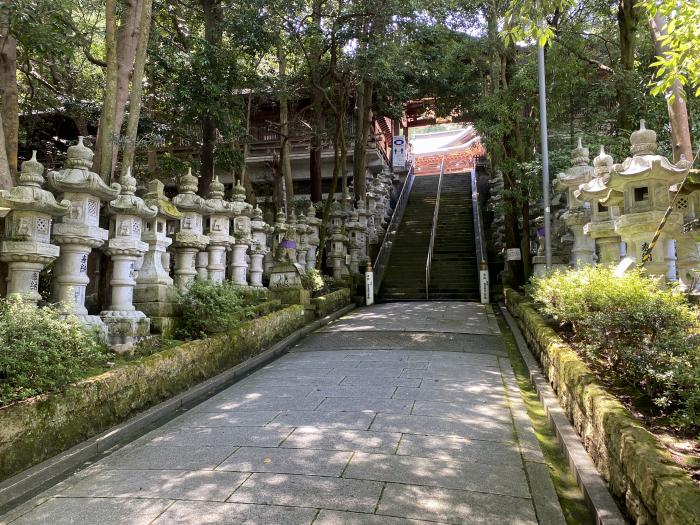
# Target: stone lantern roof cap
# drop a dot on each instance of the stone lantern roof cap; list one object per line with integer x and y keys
{"x": 603, "y": 163}
{"x": 28, "y": 194}
{"x": 76, "y": 176}
{"x": 643, "y": 141}
{"x": 129, "y": 204}
{"x": 155, "y": 196}
{"x": 579, "y": 155}
{"x": 188, "y": 183}
{"x": 645, "y": 164}
{"x": 216, "y": 189}
{"x": 257, "y": 214}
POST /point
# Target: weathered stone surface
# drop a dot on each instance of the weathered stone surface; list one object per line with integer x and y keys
{"x": 637, "y": 467}
{"x": 77, "y": 511}
{"x": 331, "y": 302}
{"x": 287, "y": 461}
{"x": 188, "y": 512}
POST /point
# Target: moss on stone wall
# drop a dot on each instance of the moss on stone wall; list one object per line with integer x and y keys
{"x": 637, "y": 467}
{"x": 331, "y": 302}
{"x": 36, "y": 429}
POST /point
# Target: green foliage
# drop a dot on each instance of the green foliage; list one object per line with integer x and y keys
{"x": 312, "y": 280}
{"x": 208, "y": 308}
{"x": 43, "y": 350}
{"x": 681, "y": 60}
{"x": 632, "y": 332}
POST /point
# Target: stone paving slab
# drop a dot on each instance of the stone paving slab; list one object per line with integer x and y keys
{"x": 365, "y": 404}
{"x": 446, "y": 473}
{"x": 330, "y": 517}
{"x": 102, "y": 511}
{"x": 169, "y": 484}
{"x": 283, "y": 461}
{"x": 309, "y": 491}
{"x": 324, "y": 419}
{"x": 189, "y": 512}
{"x": 458, "y": 448}
{"x": 455, "y": 506}
{"x": 391, "y": 425}
{"x": 352, "y": 440}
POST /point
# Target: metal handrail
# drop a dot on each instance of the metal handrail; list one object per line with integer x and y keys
{"x": 479, "y": 239}
{"x": 429, "y": 260}
{"x": 385, "y": 248}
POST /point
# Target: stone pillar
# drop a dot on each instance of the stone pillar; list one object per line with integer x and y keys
{"x": 259, "y": 248}
{"x": 577, "y": 215}
{"x": 303, "y": 236}
{"x": 28, "y": 230}
{"x": 219, "y": 228}
{"x": 154, "y": 293}
{"x": 79, "y": 232}
{"x": 242, "y": 233}
{"x": 190, "y": 240}
{"x": 338, "y": 243}
{"x": 125, "y": 323}
{"x": 313, "y": 237}
{"x": 355, "y": 240}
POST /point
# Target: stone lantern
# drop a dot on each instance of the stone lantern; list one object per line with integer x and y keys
{"x": 242, "y": 233}
{"x": 258, "y": 248}
{"x": 124, "y": 322}
{"x": 605, "y": 207}
{"x": 362, "y": 218}
{"x": 189, "y": 240}
{"x": 79, "y": 231}
{"x": 154, "y": 293}
{"x": 303, "y": 231}
{"x": 28, "y": 230}
{"x": 372, "y": 230}
{"x": 292, "y": 237}
{"x": 219, "y": 227}
{"x": 337, "y": 243}
{"x": 355, "y": 240}
{"x": 313, "y": 237}
{"x": 577, "y": 215}
{"x": 644, "y": 181}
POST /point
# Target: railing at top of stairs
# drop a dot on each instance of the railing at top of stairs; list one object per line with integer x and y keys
{"x": 385, "y": 248}
{"x": 480, "y": 241}
{"x": 433, "y": 230}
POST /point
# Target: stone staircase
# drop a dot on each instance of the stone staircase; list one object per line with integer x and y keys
{"x": 454, "y": 274}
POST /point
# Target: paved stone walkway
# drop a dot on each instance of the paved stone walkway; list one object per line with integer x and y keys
{"x": 397, "y": 413}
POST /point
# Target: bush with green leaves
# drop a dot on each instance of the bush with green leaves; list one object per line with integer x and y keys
{"x": 42, "y": 350}
{"x": 312, "y": 280}
{"x": 632, "y": 332}
{"x": 208, "y": 308}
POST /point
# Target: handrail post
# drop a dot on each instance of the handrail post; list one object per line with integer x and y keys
{"x": 436, "y": 211}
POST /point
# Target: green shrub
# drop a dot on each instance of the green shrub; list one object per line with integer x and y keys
{"x": 312, "y": 280}
{"x": 208, "y": 308}
{"x": 42, "y": 350}
{"x": 632, "y": 332}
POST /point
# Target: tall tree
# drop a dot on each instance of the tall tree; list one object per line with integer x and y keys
{"x": 8, "y": 91}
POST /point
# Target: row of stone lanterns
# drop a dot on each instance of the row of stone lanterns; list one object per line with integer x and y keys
{"x": 617, "y": 209}
{"x": 145, "y": 232}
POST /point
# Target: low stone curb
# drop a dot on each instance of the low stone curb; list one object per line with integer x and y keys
{"x": 43, "y": 475}
{"x": 594, "y": 489}
{"x": 638, "y": 469}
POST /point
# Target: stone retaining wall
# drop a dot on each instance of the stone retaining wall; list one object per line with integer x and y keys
{"x": 36, "y": 429}
{"x": 637, "y": 467}
{"x": 331, "y": 302}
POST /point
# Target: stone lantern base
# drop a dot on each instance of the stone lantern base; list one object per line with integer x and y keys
{"x": 159, "y": 303}
{"x": 539, "y": 266}
{"x": 123, "y": 331}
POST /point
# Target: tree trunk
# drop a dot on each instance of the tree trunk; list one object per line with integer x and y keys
{"x": 285, "y": 161}
{"x": 677, "y": 108}
{"x": 105, "y": 134}
{"x": 8, "y": 87}
{"x": 363, "y": 124}
{"x": 627, "y": 21}
{"x": 137, "y": 88}
{"x": 212, "y": 35}
{"x": 6, "y": 181}
{"x": 315, "y": 167}
{"x": 245, "y": 179}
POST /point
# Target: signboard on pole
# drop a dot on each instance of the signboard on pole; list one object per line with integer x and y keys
{"x": 398, "y": 155}
{"x": 369, "y": 286}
